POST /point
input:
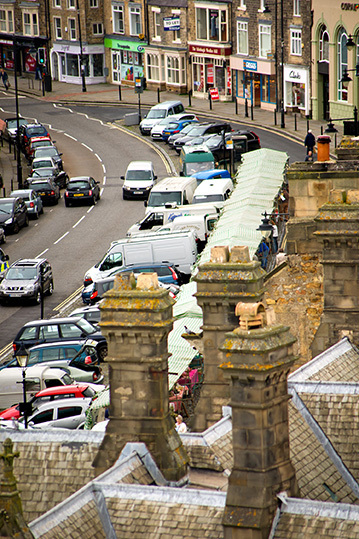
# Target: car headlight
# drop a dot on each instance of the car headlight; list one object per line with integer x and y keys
{"x": 8, "y": 221}
{"x": 2, "y": 287}
{"x": 126, "y": 188}
{"x": 29, "y": 287}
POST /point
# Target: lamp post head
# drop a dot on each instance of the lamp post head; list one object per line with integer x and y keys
{"x": 265, "y": 227}
{"x": 350, "y": 44}
{"x": 345, "y": 78}
{"x": 22, "y": 356}
{"x": 330, "y": 128}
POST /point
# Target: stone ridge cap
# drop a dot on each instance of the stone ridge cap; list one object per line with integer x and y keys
{"x": 324, "y": 442}
{"x": 130, "y": 456}
{"x": 223, "y": 266}
{"x": 326, "y": 388}
{"x": 64, "y": 436}
{"x": 322, "y": 360}
{"x": 209, "y": 436}
{"x": 336, "y": 233}
{"x": 299, "y": 506}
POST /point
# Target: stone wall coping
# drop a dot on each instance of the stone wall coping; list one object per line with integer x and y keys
{"x": 61, "y": 436}
{"x": 298, "y": 506}
{"x": 209, "y": 436}
{"x": 326, "y": 388}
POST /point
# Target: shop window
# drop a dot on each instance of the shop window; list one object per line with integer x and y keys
{"x": 265, "y": 45}
{"x": 6, "y": 21}
{"x": 97, "y": 29}
{"x": 211, "y": 24}
{"x": 296, "y": 42}
{"x": 324, "y": 45}
{"x": 117, "y": 19}
{"x": 242, "y": 37}
{"x": 157, "y": 25}
{"x": 268, "y": 89}
{"x": 153, "y": 68}
{"x": 173, "y": 70}
{"x": 72, "y": 65}
{"x": 97, "y": 64}
{"x": 57, "y": 28}
{"x": 93, "y": 3}
{"x": 135, "y": 21}
{"x": 72, "y": 29}
{"x": 70, "y": 4}
{"x": 342, "y": 63}
{"x": 296, "y": 8}
{"x": 30, "y": 24}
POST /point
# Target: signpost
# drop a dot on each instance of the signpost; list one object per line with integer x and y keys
{"x": 139, "y": 86}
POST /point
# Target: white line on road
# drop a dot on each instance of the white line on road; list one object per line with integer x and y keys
{"x": 88, "y": 147}
{"x": 17, "y": 240}
{"x": 79, "y": 221}
{"x": 98, "y": 157}
{"x": 90, "y": 209}
{"x": 73, "y": 138}
{"x": 62, "y": 237}
{"x": 101, "y": 191}
{"x": 43, "y": 252}
{"x": 103, "y": 168}
{"x": 104, "y": 180}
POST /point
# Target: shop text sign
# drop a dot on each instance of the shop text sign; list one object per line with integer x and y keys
{"x": 171, "y": 23}
{"x": 250, "y": 65}
{"x": 217, "y": 51}
{"x": 345, "y": 6}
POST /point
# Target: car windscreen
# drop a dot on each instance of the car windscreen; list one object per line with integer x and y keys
{"x": 197, "y": 131}
{"x": 46, "y": 152}
{"x": 40, "y": 186}
{"x": 192, "y": 168}
{"x": 41, "y": 164}
{"x": 33, "y": 131}
{"x": 86, "y": 326}
{"x": 138, "y": 175}
{"x": 20, "y": 274}
{"x": 6, "y": 207}
{"x": 156, "y": 114}
{"x": 187, "y": 129}
{"x": 12, "y": 124}
{"x": 78, "y": 185}
{"x": 214, "y": 141}
{"x": 173, "y": 125}
{"x": 43, "y": 172}
{"x": 160, "y": 199}
{"x": 25, "y": 195}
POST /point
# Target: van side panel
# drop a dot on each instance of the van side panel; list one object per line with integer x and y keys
{"x": 138, "y": 253}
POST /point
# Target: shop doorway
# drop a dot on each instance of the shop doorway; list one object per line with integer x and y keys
{"x": 326, "y": 110}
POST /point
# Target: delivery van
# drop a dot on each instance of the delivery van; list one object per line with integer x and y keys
{"x": 201, "y": 225}
{"x": 161, "y": 216}
{"x": 139, "y": 180}
{"x": 195, "y": 159}
{"x": 213, "y": 191}
{"x": 177, "y": 248}
{"x": 36, "y": 379}
{"x": 158, "y": 112}
{"x": 173, "y": 190}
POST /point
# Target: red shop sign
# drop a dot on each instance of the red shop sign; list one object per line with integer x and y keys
{"x": 214, "y": 94}
{"x": 210, "y": 79}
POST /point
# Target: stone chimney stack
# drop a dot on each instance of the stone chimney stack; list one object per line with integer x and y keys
{"x": 136, "y": 322}
{"x": 258, "y": 357}
{"x": 337, "y": 231}
{"x": 228, "y": 278}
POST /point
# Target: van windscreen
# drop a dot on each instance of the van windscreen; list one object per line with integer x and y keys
{"x": 156, "y": 114}
{"x": 161, "y": 198}
{"x": 138, "y": 175}
{"x": 193, "y": 168}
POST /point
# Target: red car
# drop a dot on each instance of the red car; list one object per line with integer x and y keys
{"x": 50, "y": 394}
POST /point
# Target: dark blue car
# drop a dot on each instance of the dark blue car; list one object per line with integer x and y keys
{"x": 176, "y": 127}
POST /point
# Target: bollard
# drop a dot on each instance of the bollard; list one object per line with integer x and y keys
{"x": 14, "y": 151}
{"x": 246, "y": 108}
{"x": 119, "y": 93}
{"x": 4, "y": 192}
{"x": 295, "y": 122}
{"x": 321, "y": 129}
{"x": 236, "y": 106}
{"x": 210, "y": 100}
{"x": 12, "y": 184}
{"x": 308, "y": 125}
{"x": 252, "y": 111}
{"x": 189, "y": 98}
{"x": 9, "y": 145}
{"x": 158, "y": 96}
{"x": 335, "y": 140}
{"x": 275, "y": 116}
{"x": 323, "y": 144}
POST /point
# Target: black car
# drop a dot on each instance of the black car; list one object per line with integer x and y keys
{"x": 56, "y": 330}
{"x": 13, "y": 214}
{"x": 243, "y": 141}
{"x": 59, "y": 177}
{"x": 27, "y": 279}
{"x": 82, "y": 189}
{"x": 28, "y": 131}
{"x": 47, "y": 189}
{"x": 49, "y": 151}
{"x": 200, "y": 131}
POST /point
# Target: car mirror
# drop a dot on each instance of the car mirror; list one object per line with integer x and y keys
{"x": 60, "y": 154}
{"x": 145, "y": 203}
{"x": 155, "y": 177}
{"x": 145, "y": 115}
{"x": 122, "y": 177}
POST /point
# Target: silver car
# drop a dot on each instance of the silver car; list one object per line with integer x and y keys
{"x": 62, "y": 413}
{"x": 32, "y": 200}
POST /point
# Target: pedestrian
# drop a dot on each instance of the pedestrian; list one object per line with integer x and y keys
{"x": 5, "y": 78}
{"x": 180, "y": 427}
{"x": 309, "y": 156}
{"x": 274, "y": 237}
{"x": 262, "y": 253}
{"x": 309, "y": 142}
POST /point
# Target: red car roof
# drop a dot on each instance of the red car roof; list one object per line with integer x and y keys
{"x": 60, "y": 390}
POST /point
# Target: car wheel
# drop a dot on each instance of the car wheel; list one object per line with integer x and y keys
{"x": 16, "y": 227}
{"x": 38, "y": 298}
{"x": 36, "y": 215}
{"x": 26, "y": 221}
{"x": 102, "y": 352}
{"x": 42, "y": 210}
{"x": 50, "y": 289}
{"x": 67, "y": 204}
{"x": 93, "y": 201}
{"x": 56, "y": 201}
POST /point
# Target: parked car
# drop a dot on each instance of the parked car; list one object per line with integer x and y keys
{"x": 82, "y": 189}
{"x": 42, "y": 162}
{"x": 28, "y": 131}
{"x": 202, "y": 130}
{"x": 47, "y": 190}
{"x": 59, "y": 329}
{"x": 91, "y": 313}
{"x": 157, "y": 130}
{"x": 59, "y": 177}
{"x": 13, "y": 214}
{"x": 32, "y": 200}
{"x": 49, "y": 151}
{"x": 66, "y": 414}
{"x": 35, "y": 143}
{"x": 73, "y": 391}
{"x": 243, "y": 141}
{"x": 10, "y": 127}
{"x": 26, "y": 279}
{"x": 175, "y": 127}
{"x": 185, "y": 131}
{"x": 158, "y": 112}
{"x": 139, "y": 179}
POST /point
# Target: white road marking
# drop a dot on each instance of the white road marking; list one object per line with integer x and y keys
{"x": 103, "y": 168}
{"x": 43, "y": 252}
{"x": 36, "y": 224}
{"x": 70, "y": 136}
{"x": 98, "y": 157}
{"x": 90, "y": 209}
{"x": 79, "y": 221}
{"x": 17, "y": 240}
{"x": 88, "y": 147}
{"x": 101, "y": 191}
{"x": 104, "y": 180}
{"x": 62, "y": 237}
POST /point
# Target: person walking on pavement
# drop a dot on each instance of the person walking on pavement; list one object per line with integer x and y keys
{"x": 5, "y": 78}
{"x": 309, "y": 142}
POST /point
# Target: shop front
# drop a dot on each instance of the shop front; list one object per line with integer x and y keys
{"x": 127, "y": 60}
{"x": 255, "y": 81}
{"x": 66, "y": 63}
{"x": 296, "y": 89}
{"x": 210, "y": 69}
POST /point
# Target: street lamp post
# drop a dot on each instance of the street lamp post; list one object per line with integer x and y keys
{"x": 280, "y": 100}
{"x": 18, "y": 153}
{"x": 82, "y": 65}
{"x": 22, "y": 358}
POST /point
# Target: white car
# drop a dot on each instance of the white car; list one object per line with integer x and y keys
{"x": 157, "y": 130}
{"x": 62, "y": 413}
{"x": 43, "y": 162}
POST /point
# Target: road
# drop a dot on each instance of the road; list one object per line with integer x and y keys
{"x": 75, "y": 238}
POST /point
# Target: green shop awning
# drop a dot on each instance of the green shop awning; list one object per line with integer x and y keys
{"x": 135, "y": 46}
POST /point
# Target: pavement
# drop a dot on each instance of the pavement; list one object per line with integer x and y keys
{"x": 295, "y": 128}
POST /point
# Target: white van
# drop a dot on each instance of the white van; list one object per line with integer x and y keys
{"x": 162, "y": 216}
{"x": 201, "y": 225}
{"x": 158, "y": 112}
{"x": 36, "y": 379}
{"x": 139, "y": 180}
{"x": 175, "y": 190}
{"x": 213, "y": 191}
{"x": 177, "y": 248}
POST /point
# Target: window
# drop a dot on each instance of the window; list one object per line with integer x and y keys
{"x": 117, "y": 19}
{"x": 135, "y": 21}
{"x": 153, "y": 68}
{"x": 211, "y": 24}
{"x": 242, "y": 4}
{"x": 57, "y": 27}
{"x": 49, "y": 332}
{"x": 6, "y": 21}
{"x": 296, "y": 8}
{"x": 264, "y": 40}
{"x": 30, "y": 24}
{"x": 42, "y": 417}
{"x": 69, "y": 411}
{"x": 72, "y": 29}
{"x": 242, "y": 37}
{"x": 157, "y": 25}
{"x": 70, "y": 331}
{"x": 296, "y": 42}
{"x": 93, "y": 3}
{"x": 97, "y": 29}
{"x": 29, "y": 333}
{"x": 324, "y": 45}
{"x": 57, "y": 3}
{"x": 342, "y": 63}
{"x": 71, "y": 4}
{"x": 173, "y": 70}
